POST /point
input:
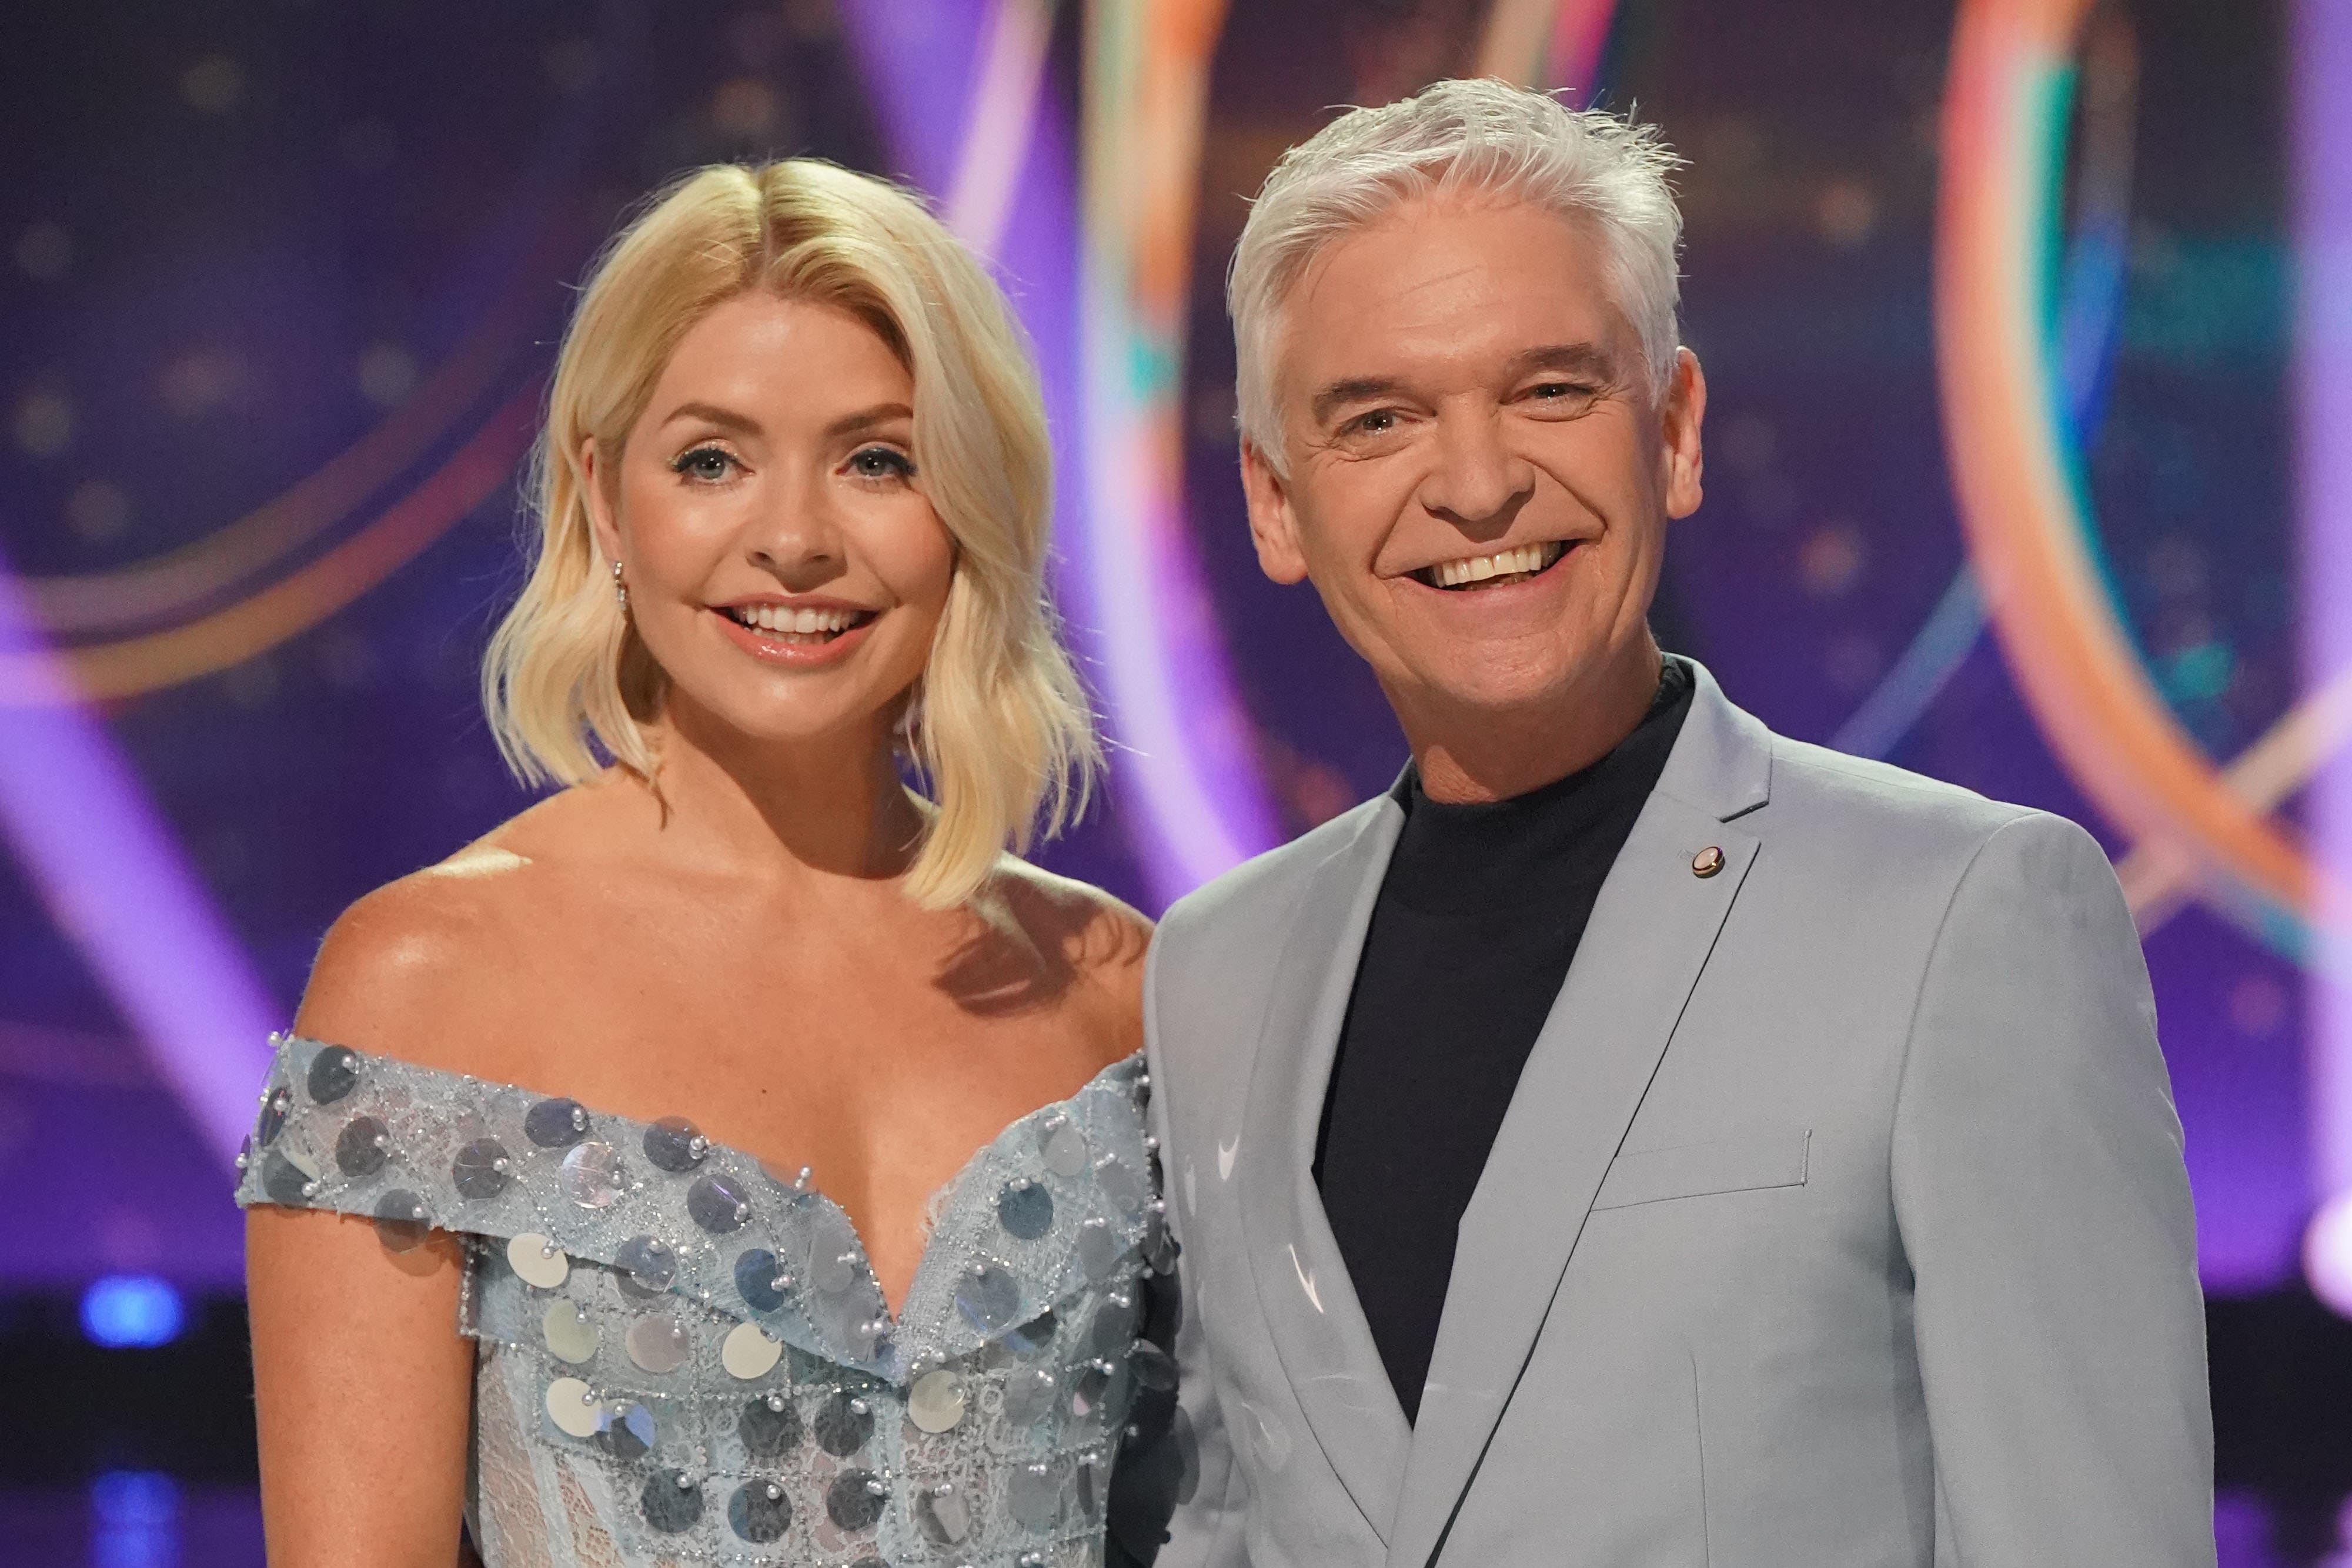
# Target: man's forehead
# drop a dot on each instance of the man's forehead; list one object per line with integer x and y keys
{"x": 1445, "y": 285}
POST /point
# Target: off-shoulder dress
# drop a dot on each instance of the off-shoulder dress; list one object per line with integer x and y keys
{"x": 682, "y": 1355}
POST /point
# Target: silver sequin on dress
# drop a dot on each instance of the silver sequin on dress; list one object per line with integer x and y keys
{"x": 683, "y": 1356}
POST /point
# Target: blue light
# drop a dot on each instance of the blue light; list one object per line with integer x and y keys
{"x": 129, "y": 1498}
{"x": 137, "y": 1515}
{"x": 125, "y": 1312}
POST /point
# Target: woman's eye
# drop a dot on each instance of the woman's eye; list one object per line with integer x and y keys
{"x": 881, "y": 463}
{"x": 708, "y": 465}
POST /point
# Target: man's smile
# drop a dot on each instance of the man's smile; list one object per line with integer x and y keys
{"x": 1516, "y": 565}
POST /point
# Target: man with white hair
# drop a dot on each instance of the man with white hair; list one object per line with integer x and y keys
{"x": 1636, "y": 1138}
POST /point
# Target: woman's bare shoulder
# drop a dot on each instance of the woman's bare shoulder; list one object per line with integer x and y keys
{"x": 1066, "y": 910}
{"x": 436, "y": 968}
{"x": 1099, "y": 936}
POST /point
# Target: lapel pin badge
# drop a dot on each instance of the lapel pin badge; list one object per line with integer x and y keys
{"x": 1708, "y": 862}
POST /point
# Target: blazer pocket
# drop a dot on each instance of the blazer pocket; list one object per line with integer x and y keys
{"x": 1694, "y": 1170}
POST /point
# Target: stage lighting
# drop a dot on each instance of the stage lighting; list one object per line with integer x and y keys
{"x": 127, "y": 1311}
{"x": 2327, "y": 1254}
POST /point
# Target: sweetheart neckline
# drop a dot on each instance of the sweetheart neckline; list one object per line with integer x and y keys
{"x": 932, "y": 1203}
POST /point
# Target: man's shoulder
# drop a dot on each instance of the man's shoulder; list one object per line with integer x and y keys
{"x": 1864, "y": 802}
{"x": 1264, "y": 889}
{"x": 1868, "y": 825}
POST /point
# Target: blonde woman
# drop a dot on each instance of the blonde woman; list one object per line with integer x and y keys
{"x": 737, "y": 1156}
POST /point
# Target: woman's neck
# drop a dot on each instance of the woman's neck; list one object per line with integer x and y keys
{"x": 833, "y": 807}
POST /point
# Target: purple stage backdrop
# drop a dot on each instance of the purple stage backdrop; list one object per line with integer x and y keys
{"x": 278, "y": 286}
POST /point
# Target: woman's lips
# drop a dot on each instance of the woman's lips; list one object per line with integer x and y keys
{"x": 794, "y": 649}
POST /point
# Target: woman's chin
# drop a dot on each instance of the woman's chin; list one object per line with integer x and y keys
{"x": 723, "y": 718}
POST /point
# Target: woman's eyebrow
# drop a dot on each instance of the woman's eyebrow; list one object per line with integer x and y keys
{"x": 848, "y": 425}
{"x": 711, "y": 413}
{"x": 880, "y": 414}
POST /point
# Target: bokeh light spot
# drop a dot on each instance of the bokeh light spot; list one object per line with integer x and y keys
{"x": 44, "y": 422}
{"x": 213, "y": 84}
{"x": 97, "y": 511}
{"x": 2258, "y": 1007}
{"x": 123, "y": 1498}
{"x": 571, "y": 65}
{"x": 1831, "y": 560}
{"x": 131, "y": 1311}
{"x": 252, "y": 684}
{"x": 387, "y": 373}
{"x": 745, "y": 109}
{"x": 200, "y": 380}
{"x": 1846, "y": 213}
{"x": 1748, "y": 443}
{"x": 44, "y": 251}
{"x": 2327, "y": 1254}
{"x": 1854, "y": 662}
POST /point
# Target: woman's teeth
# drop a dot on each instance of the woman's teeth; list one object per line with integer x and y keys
{"x": 1503, "y": 565}
{"x": 797, "y": 625}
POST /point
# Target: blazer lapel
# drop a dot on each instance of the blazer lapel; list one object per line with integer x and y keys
{"x": 1310, "y": 1307}
{"x": 1650, "y": 932}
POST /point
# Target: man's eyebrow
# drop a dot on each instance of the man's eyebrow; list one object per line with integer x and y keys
{"x": 1575, "y": 358}
{"x": 1337, "y": 395}
{"x": 1578, "y": 359}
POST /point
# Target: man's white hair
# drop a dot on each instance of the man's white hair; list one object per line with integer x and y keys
{"x": 1485, "y": 136}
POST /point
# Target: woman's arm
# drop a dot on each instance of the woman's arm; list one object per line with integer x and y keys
{"x": 362, "y": 1391}
{"x": 362, "y": 1383}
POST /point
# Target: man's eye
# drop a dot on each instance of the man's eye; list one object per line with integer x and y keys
{"x": 1555, "y": 390}
{"x": 1379, "y": 422}
{"x": 709, "y": 465}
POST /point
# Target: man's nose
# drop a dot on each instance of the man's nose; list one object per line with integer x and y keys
{"x": 1479, "y": 484}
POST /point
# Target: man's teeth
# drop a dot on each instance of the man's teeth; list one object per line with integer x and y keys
{"x": 1518, "y": 562}
{"x": 805, "y": 622}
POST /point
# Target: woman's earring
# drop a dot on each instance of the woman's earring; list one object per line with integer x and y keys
{"x": 620, "y": 588}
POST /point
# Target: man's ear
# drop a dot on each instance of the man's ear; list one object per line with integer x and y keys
{"x": 596, "y": 497}
{"x": 1684, "y": 412}
{"x": 1272, "y": 524}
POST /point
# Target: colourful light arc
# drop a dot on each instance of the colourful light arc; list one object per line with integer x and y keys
{"x": 1131, "y": 580}
{"x": 514, "y": 263}
{"x": 2322, "y": 141}
{"x": 1192, "y": 744}
{"x": 114, "y": 877}
{"x": 1556, "y": 45}
{"x": 2088, "y": 314}
{"x": 302, "y": 600}
{"x": 2020, "y": 499}
{"x": 1193, "y": 750}
{"x": 1099, "y": 281}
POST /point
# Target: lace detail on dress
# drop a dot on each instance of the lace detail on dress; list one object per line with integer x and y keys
{"x": 685, "y": 1359}
{"x": 510, "y": 1527}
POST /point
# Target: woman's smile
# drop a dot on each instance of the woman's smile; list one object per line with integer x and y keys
{"x": 797, "y": 633}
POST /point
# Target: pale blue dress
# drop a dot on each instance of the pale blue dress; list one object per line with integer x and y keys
{"x": 682, "y": 1356}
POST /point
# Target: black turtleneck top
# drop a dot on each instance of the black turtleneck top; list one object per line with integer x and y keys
{"x": 1478, "y": 916}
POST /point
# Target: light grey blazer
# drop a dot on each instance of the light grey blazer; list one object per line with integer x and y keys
{"x": 1838, "y": 1219}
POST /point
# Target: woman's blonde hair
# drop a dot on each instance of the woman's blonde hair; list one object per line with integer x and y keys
{"x": 998, "y": 727}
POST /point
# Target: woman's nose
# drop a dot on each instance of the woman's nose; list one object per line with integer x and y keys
{"x": 795, "y": 535}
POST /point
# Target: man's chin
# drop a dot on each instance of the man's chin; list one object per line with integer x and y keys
{"x": 1508, "y": 682}
{"x": 1500, "y": 701}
